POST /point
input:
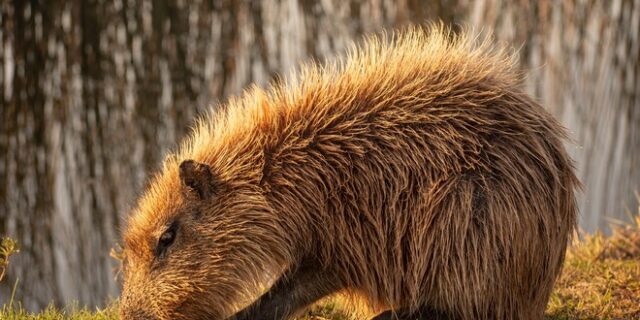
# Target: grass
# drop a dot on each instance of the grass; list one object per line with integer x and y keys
{"x": 600, "y": 280}
{"x": 8, "y": 247}
{"x": 51, "y": 313}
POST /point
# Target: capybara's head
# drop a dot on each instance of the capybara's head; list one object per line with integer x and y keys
{"x": 195, "y": 246}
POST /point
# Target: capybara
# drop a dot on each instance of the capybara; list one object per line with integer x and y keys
{"x": 413, "y": 172}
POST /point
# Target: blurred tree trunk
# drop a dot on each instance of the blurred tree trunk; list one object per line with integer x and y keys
{"x": 93, "y": 93}
{"x": 583, "y": 63}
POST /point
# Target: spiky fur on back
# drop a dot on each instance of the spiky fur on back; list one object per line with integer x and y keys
{"x": 414, "y": 169}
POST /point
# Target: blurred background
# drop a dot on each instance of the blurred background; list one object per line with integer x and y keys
{"x": 94, "y": 93}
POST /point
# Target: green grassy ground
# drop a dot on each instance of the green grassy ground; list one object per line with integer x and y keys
{"x": 600, "y": 280}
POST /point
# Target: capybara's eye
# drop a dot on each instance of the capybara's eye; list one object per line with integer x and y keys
{"x": 166, "y": 239}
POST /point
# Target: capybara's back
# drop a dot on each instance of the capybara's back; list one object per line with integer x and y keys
{"x": 414, "y": 172}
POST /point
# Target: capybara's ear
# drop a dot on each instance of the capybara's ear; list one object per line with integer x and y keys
{"x": 197, "y": 179}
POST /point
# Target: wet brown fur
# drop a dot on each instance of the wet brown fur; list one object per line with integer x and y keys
{"x": 414, "y": 172}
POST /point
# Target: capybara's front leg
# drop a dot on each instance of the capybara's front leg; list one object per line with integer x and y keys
{"x": 290, "y": 294}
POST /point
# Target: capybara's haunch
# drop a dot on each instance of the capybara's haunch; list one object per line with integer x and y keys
{"x": 414, "y": 173}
